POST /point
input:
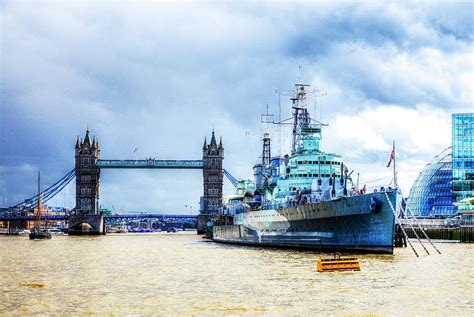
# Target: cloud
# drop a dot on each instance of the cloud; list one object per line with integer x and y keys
{"x": 159, "y": 76}
{"x": 376, "y": 126}
{"x": 365, "y": 139}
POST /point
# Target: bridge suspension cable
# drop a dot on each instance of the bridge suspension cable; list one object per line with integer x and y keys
{"x": 49, "y": 192}
{"x": 231, "y": 178}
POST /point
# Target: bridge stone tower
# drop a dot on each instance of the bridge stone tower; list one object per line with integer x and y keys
{"x": 86, "y": 218}
{"x": 87, "y": 175}
{"x": 213, "y": 180}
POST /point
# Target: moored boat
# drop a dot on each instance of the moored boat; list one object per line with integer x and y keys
{"x": 37, "y": 232}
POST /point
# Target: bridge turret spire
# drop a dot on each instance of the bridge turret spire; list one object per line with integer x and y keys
{"x": 213, "y": 140}
{"x": 221, "y": 147}
{"x": 204, "y": 147}
{"x": 78, "y": 143}
{"x": 87, "y": 138}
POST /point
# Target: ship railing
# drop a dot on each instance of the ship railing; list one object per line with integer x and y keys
{"x": 269, "y": 205}
{"x": 233, "y": 209}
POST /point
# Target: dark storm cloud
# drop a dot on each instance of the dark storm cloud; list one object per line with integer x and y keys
{"x": 158, "y": 77}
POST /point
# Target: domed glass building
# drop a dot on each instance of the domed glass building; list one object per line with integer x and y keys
{"x": 432, "y": 193}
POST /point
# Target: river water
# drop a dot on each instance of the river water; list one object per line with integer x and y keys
{"x": 182, "y": 274}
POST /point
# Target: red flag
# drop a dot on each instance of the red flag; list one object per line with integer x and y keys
{"x": 392, "y": 157}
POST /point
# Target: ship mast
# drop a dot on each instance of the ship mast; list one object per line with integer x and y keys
{"x": 395, "y": 183}
{"x": 266, "y": 154}
{"x": 40, "y": 203}
{"x": 301, "y": 116}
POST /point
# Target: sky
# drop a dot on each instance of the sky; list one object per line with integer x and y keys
{"x": 160, "y": 76}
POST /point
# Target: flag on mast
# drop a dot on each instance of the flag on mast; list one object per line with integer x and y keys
{"x": 392, "y": 156}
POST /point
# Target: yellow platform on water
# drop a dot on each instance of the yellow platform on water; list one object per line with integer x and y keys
{"x": 337, "y": 264}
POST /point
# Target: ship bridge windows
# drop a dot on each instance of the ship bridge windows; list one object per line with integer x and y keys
{"x": 327, "y": 162}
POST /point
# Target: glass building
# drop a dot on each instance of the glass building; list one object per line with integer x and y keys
{"x": 447, "y": 183}
{"x": 463, "y": 156}
{"x": 432, "y": 194}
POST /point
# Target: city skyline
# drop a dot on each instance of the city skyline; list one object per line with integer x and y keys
{"x": 158, "y": 79}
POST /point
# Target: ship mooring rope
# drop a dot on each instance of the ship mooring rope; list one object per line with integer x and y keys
{"x": 401, "y": 226}
{"x": 416, "y": 235}
{"x": 417, "y": 223}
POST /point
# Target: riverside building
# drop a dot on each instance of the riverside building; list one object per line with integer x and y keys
{"x": 463, "y": 156}
{"x": 446, "y": 184}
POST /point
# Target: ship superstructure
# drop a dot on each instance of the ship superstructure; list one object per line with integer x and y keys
{"x": 307, "y": 198}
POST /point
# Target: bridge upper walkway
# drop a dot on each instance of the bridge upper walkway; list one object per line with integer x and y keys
{"x": 150, "y": 163}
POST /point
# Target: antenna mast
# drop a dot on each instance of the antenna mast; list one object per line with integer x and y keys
{"x": 266, "y": 154}
{"x": 301, "y": 116}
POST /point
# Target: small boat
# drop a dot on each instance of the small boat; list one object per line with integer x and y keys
{"x": 55, "y": 231}
{"x": 122, "y": 228}
{"x": 37, "y": 232}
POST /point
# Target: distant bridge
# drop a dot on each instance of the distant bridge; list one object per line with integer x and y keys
{"x": 111, "y": 218}
{"x": 160, "y": 217}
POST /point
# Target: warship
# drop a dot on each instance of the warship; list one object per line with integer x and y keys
{"x": 306, "y": 198}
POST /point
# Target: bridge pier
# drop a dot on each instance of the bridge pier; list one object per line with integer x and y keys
{"x": 202, "y": 220}
{"x": 84, "y": 224}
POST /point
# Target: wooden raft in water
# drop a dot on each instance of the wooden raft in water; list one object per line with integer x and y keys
{"x": 337, "y": 264}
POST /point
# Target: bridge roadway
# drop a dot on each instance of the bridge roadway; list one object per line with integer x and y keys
{"x": 161, "y": 217}
{"x": 150, "y": 163}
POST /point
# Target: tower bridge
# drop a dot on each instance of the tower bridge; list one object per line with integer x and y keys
{"x": 85, "y": 217}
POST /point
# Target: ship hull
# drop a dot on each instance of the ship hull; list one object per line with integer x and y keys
{"x": 362, "y": 224}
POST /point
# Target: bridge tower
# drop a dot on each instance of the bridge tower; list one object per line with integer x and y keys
{"x": 87, "y": 175}
{"x": 86, "y": 218}
{"x": 213, "y": 180}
